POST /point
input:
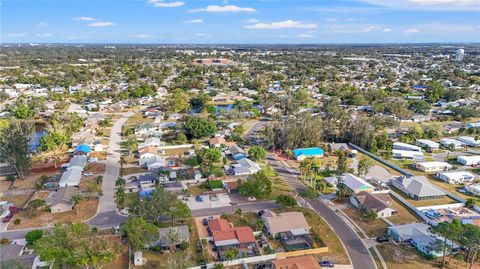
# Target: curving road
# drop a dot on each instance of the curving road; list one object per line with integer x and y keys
{"x": 359, "y": 255}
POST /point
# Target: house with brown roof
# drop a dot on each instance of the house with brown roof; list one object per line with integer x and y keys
{"x": 292, "y": 222}
{"x": 147, "y": 152}
{"x": 299, "y": 262}
{"x": 226, "y": 236}
{"x": 379, "y": 203}
{"x": 217, "y": 142}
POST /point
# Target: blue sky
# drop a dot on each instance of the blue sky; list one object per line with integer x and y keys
{"x": 228, "y": 21}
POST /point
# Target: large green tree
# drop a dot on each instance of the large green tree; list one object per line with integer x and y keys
{"x": 15, "y": 146}
{"x": 76, "y": 245}
{"x": 138, "y": 233}
{"x": 257, "y": 185}
{"x": 195, "y": 127}
{"x": 257, "y": 153}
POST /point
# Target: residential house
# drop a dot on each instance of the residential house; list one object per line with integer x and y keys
{"x": 407, "y": 154}
{"x": 432, "y": 167}
{"x": 71, "y": 177}
{"x": 77, "y": 161}
{"x": 469, "y": 141}
{"x": 299, "y": 262}
{"x": 147, "y": 130}
{"x": 61, "y": 200}
{"x": 179, "y": 234}
{"x": 418, "y": 188}
{"x": 472, "y": 125}
{"x": 455, "y": 177}
{"x": 473, "y": 189}
{"x": 405, "y": 146}
{"x": 147, "y": 152}
{"x": 217, "y": 142}
{"x": 356, "y": 184}
{"x": 469, "y": 160}
{"x": 153, "y": 162}
{"x": 303, "y": 153}
{"x": 151, "y": 141}
{"x": 235, "y": 152}
{"x": 293, "y": 222}
{"x": 225, "y": 236}
{"x": 418, "y": 235}
{"x": 428, "y": 144}
{"x": 245, "y": 167}
{"x": 83, "y": 137}
{"x": 379, "y": 203}
{"x": 448, "y": 142}
{"x": 148, "y": 181}
{"x": 83, "y": 149}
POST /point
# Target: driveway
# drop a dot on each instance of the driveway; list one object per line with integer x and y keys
{"x": 379, "y": 172}
{"x": 207, "y": 202}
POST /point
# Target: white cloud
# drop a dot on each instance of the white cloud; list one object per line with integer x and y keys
{"x": 447, "y": 5}
{"x": 386, "y": 30}
{"x": 252, "y": 21}
{"x": 226, "y": 8}
{"x": 194, "y": 21}
{"x": 16, "y": 34}
{"x": 330, "y": 19}
{"x": 140, "y": 36}
{"x": 351, "y": 28}
{"x": 44, "y": 35}
{"x": 306, "y": 35}
{"x": 201, "y": 35}
{"x": 288, "y": 24}
{"x": 42, "y": 24}
{"x": 101, "y": 24}
{"x": 412, "y": 31}
{"x": 161, "y": 3}
{"x": 84, "y": 19}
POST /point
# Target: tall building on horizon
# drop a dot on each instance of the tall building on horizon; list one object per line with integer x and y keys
{"x": 459, "y": 55}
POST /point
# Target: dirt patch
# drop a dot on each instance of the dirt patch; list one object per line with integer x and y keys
{"x": 96, "y": 168}
{"x": 5, "y": 185}
{"x": 18, "y": 200}
{"x": 101, "y": 156}
{"x": 87, "y": 209}
{"x": 48, "y": 167}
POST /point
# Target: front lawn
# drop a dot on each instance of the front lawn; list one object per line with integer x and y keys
{"x": 372, "y": 227}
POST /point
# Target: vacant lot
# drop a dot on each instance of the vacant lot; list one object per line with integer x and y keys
{"x": 372, "y": 228}
{"x": 404, "y": 215}
{"x": 18, "y": 200}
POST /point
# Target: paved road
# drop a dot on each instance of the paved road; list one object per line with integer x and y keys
{"x": 358, "y": 253}
{"x": 250, "y": 207}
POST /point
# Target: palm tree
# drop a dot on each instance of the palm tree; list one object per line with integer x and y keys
{"x": 120, "y": 182}
{"x": 76, "y": 199}
{"x": 122, "y": 161}
{"x": 120, "y": 197}
{"x": 98, "y": 180}
{"x": 104, "y": 123}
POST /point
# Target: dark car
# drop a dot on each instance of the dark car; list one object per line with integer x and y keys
{"x": 8, "y": 218}
{"x": 383, "y": 238}
{"x": 199, "y": 198}
{"x": 326, "y": 263}
{"x": 261, "y": 212}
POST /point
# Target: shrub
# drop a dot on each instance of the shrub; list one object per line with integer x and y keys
{"x": 10, "y": 177}
{"x": 17, "y": 221}
{"x": 215, "y": 184}
{"x": 184, "y": 245}
{"x": 33, "y": 236}
{"x": 285, "y": 200}
{"x": 4, "y": 241}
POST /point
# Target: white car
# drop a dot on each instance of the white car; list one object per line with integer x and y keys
{"x": 87, "y": 174}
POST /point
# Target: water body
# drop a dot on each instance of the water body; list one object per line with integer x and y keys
{"x": 40, "y": 131}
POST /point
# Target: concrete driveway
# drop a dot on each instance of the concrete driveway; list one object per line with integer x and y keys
{"x": 223, "y": 201}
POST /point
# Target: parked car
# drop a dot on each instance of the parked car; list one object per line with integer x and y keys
{"x": 326, "y": 263}
{"x": 199, "y": 198}
{"x": 383, "y": 238}
{"x": 87, "y": 174}
{"x": 13, "y": 209}
{"x": 7, "y": 218}
{"x": 261, "y": 212}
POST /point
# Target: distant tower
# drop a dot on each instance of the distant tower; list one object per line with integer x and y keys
{"x": 459, "y": 55}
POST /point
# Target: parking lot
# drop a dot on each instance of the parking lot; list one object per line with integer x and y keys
{"x": 208, "y": 201}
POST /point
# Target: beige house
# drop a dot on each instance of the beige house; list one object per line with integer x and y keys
{"x": 61, "y": 200}
{"x": 379, "y": 203}
{"x": 293, "y": 222}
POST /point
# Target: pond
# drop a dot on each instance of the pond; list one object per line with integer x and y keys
{"x": 40, "y": 131}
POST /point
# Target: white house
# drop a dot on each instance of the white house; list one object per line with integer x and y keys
{"x": 406, "y": 154}
{"x": 378, "y": 203}
{"x": 429, "y": 144}
{"x": 473, "y": 189}
{"x": 245, "y": 167}
{"x": 151, "y": 141}
{"x": 469, "y": 160}
{"x": 407, "y": 147}
{"x": 446, "y": 142}
{"x": 456, "y": 177}
{"x": 430, "y": 167}
{"x": 469, "y": 141}
{"x": 71, "y": 177}
{"x": 356, "y": 184}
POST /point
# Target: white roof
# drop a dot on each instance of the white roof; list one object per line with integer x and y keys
{"x": 429, "y": 143}
{"x": 457, "y": 174}
{"x": 71, "y": 177}
{"x": 355, "y": 183}
{"x": 434, "y": 164}
{"x": 450, "y": 141}
{"x": 475, "y": 158}
{"x": 407, "y": 153}
{"x": 405, "y": 145}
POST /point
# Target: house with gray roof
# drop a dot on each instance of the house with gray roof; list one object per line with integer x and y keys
{"x": 61, "y": 200}
{"x": 418, "y": 188}
{"x": 245, "y": 167}
{"x": 71, "y": 177}
{"x": 178, "y": 234}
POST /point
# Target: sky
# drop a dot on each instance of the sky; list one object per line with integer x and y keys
{"x": 239, "y": 22}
